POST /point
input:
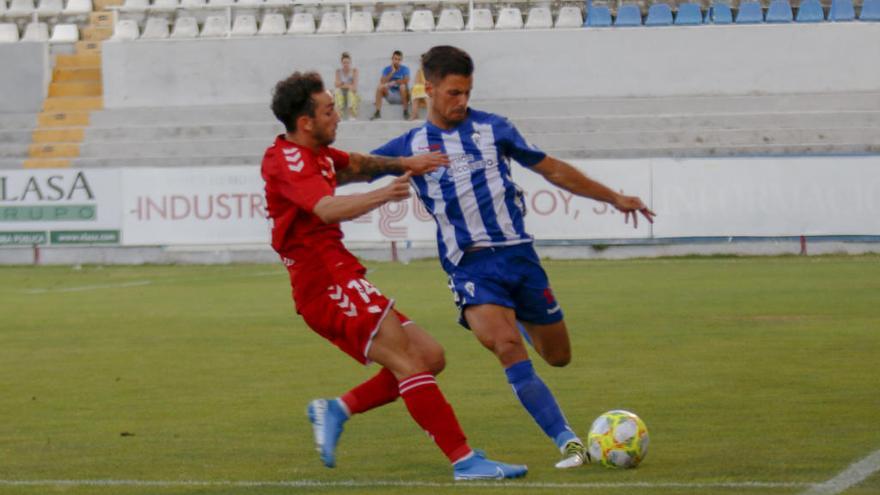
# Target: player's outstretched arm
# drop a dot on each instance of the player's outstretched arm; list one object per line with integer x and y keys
{"x": 335, "y": 209}
{"x": 362, "y": 168}
{"x": 564, "y": 175}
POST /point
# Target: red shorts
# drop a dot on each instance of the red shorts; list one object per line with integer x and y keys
{"x": 349, "y": 314}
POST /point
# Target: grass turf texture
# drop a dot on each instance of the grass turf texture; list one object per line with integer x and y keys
{"x": 744, "y": 369}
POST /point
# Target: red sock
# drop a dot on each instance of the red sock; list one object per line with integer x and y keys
{"x": 429, "y": 408}
{"x": 375, "y": 392}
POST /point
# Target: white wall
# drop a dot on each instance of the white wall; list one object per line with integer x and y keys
{"x": 699, "y": 60}
{"x": 24, "y": 76}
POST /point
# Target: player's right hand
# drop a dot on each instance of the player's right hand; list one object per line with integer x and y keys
{"x": 425, "y": 163}
{"x": 399, "y": 189}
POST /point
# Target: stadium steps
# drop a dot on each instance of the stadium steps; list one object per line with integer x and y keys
{"x": 75, "y": 91}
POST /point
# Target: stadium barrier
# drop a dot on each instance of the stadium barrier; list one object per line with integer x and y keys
{"x": 26, "y": 74}
{"x": 224, "y": 206}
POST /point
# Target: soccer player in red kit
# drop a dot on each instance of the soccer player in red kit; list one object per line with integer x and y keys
{"x": 330, "y": 289}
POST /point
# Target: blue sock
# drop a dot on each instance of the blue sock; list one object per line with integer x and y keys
{"x": 539, "y": 402}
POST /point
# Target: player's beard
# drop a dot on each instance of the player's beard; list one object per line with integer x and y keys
{"x": 325, "y": 137}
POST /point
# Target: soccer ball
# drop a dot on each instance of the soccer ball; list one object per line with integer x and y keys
{"x": 618, "y": 439}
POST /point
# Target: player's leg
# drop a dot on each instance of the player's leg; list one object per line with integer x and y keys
{"x": 381, "y": 92}
{"x": 404, "y": 100}
{"x": 354, "y": 102}
{"x": 395, "y": 349}
{"x": 550, "y": 341}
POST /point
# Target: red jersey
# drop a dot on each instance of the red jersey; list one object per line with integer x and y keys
{"x": 296, "y": 179}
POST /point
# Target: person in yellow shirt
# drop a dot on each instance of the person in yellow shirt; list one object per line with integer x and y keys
{"x": 345, "y": 95}
{"x": 419, "y": 96}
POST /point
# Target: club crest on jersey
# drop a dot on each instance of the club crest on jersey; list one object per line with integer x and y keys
{"x": 475, "y": 137}
{"x": 470, "y": 288}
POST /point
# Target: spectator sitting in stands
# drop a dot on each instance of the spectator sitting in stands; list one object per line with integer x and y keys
{"x": 393, "y": 86}
{"x": 419, "y": 96}
{"x": 346, "y": 89}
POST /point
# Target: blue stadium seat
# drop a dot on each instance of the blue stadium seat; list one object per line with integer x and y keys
{"x": 779, "y": 11}
{"x": 598, "y": 16}
{"x": 628, "y": 14}
{"x": 810, "y": 11}
{"x": 870, "y": 11}
{"x": 659, "y": 14}
{"x": 719, "y": 13}
{"x": 688, "y": 14}
{"x": 842, "y": 10}
{"x": 750, "y": 13}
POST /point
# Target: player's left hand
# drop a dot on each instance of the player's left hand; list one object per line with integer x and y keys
{"x": 426, "y": 162}
{"x": 632, "y": 205}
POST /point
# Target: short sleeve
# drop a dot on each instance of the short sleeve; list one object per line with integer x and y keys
{"x": 339, "y": 157}
{"x": 386, "y": 71}
{"x": 404, "y": 71}
{"x": 304, "y": 187}
{"x": 395, "y": 147}
{"x": 515, "y": 146}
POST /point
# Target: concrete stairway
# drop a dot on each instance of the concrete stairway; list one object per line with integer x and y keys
{"x": 588, "y": 128}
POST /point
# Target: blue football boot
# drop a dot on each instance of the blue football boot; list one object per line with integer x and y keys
{"x": 327, "y": 418}
{"x": 477, "y": 467}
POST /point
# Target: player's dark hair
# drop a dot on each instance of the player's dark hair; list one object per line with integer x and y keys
{"x": 398, "y": 53}
{"x": 293, "y": 97}
{"x": 441, "y": 61}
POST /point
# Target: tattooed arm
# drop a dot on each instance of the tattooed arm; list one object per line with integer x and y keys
{"x": 362, "y": 168}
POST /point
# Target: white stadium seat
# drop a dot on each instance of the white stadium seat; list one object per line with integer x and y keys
{"x": 135, "y": 6}
{"x": 126, "y": 30}
{"x": 332, "y": 23}
{"x": 20, "y": 8}
{"x": 450, "y": 20}
{"x": 36, "y": 31}
{"x": 221, "y": 3}
{"x": 360, "y": 22}
{"x": 185, "y": 28}
{"x": 192, "y": 4}
{"x": 216, "y": 26}
{"x": 509, "y": 18}
{"x": 155, "y": 29}
{"x": 244, "y": 25}
{"x": 421, "y": 20}
{"x": 64, "y": 33}
{"x": 272, "y": 25}
{"x": 50, "y": 8}
{"x": 250, "y": 3}
{"x": 8, "y": 33}
{"x": 2, "y": 7}
{"x": 481, "y": 19}
{"x": 302, "y": 23}
{"x": 391, "y": 21}
{"x": 77, "y": 7}
{"x": 164, "y": 5}
{"x": 539, "y": 18}
{"x": 569, "y": 17}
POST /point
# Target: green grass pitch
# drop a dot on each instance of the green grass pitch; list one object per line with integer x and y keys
{"x": 760, "y": 373}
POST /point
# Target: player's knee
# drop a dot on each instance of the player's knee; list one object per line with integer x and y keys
{"x": 509, "y": 350}
{"x": 558, "y": 359}
{"x": 436, "y": 360}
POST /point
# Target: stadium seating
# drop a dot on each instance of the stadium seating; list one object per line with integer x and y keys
{"x": 126, "y": 30}
{"x": 569, "y": 17}
{"x": 539, "y": 18}
{"x": 391, "y": 21}
{"x": 331, "y": 23}
{"x": 509, "y": 18}
{"x": 164, "y": 5}
{"x": 779, "y": 11}
{"x": 421, "y": 20}
{"x": 842, "y": 11}
{"x": 481, "y": 19}
{"x": 216, "y": 26}
{"x": 719, "y": 13}
{"x": 360, "y": 22}
{"x": 185, "y": 28}
{"x": 8, "y": 32}
{"x": 155, "y": 29}
{"x": 76, "y": 8}
{"x": 20, "y": 9}
{"x": 48, "y": 9}
{"x": 598, "y": 16}
{"x": 750, "y": 12}
{"x": 810, "y": 11}
{"x": 870, "y": 10}
{"x": 303, "y": 23}
{"x": 688, "y": 14}
{"x": 244, "y": 26}
{"x": 628, "y": 14}
{"x": 36, "y": 31}
{"x": 659, "y": 14}
{"x": 451, "y": 19}
{"x": 272, "y": 25}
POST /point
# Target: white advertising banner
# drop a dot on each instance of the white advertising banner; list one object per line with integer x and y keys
{"x": 200, "y": 205}
{"x": 59, "y": 206}
{"x": 767, "y": 196}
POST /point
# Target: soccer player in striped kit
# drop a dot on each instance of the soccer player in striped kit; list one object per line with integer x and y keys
{"x": 330, "y": 289}
{"x": 501, "y": 290}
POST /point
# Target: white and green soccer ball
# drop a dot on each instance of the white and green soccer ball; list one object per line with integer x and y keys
{"x": 618, "y": 439}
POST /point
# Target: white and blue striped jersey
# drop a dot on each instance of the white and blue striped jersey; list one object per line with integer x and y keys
{"x": 474, "y": 201}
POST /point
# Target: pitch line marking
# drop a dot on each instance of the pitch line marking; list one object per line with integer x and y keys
{"x": 82, "y": 288}
{"x": 849, "y": 477}
{"x": 398, "y": 483}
